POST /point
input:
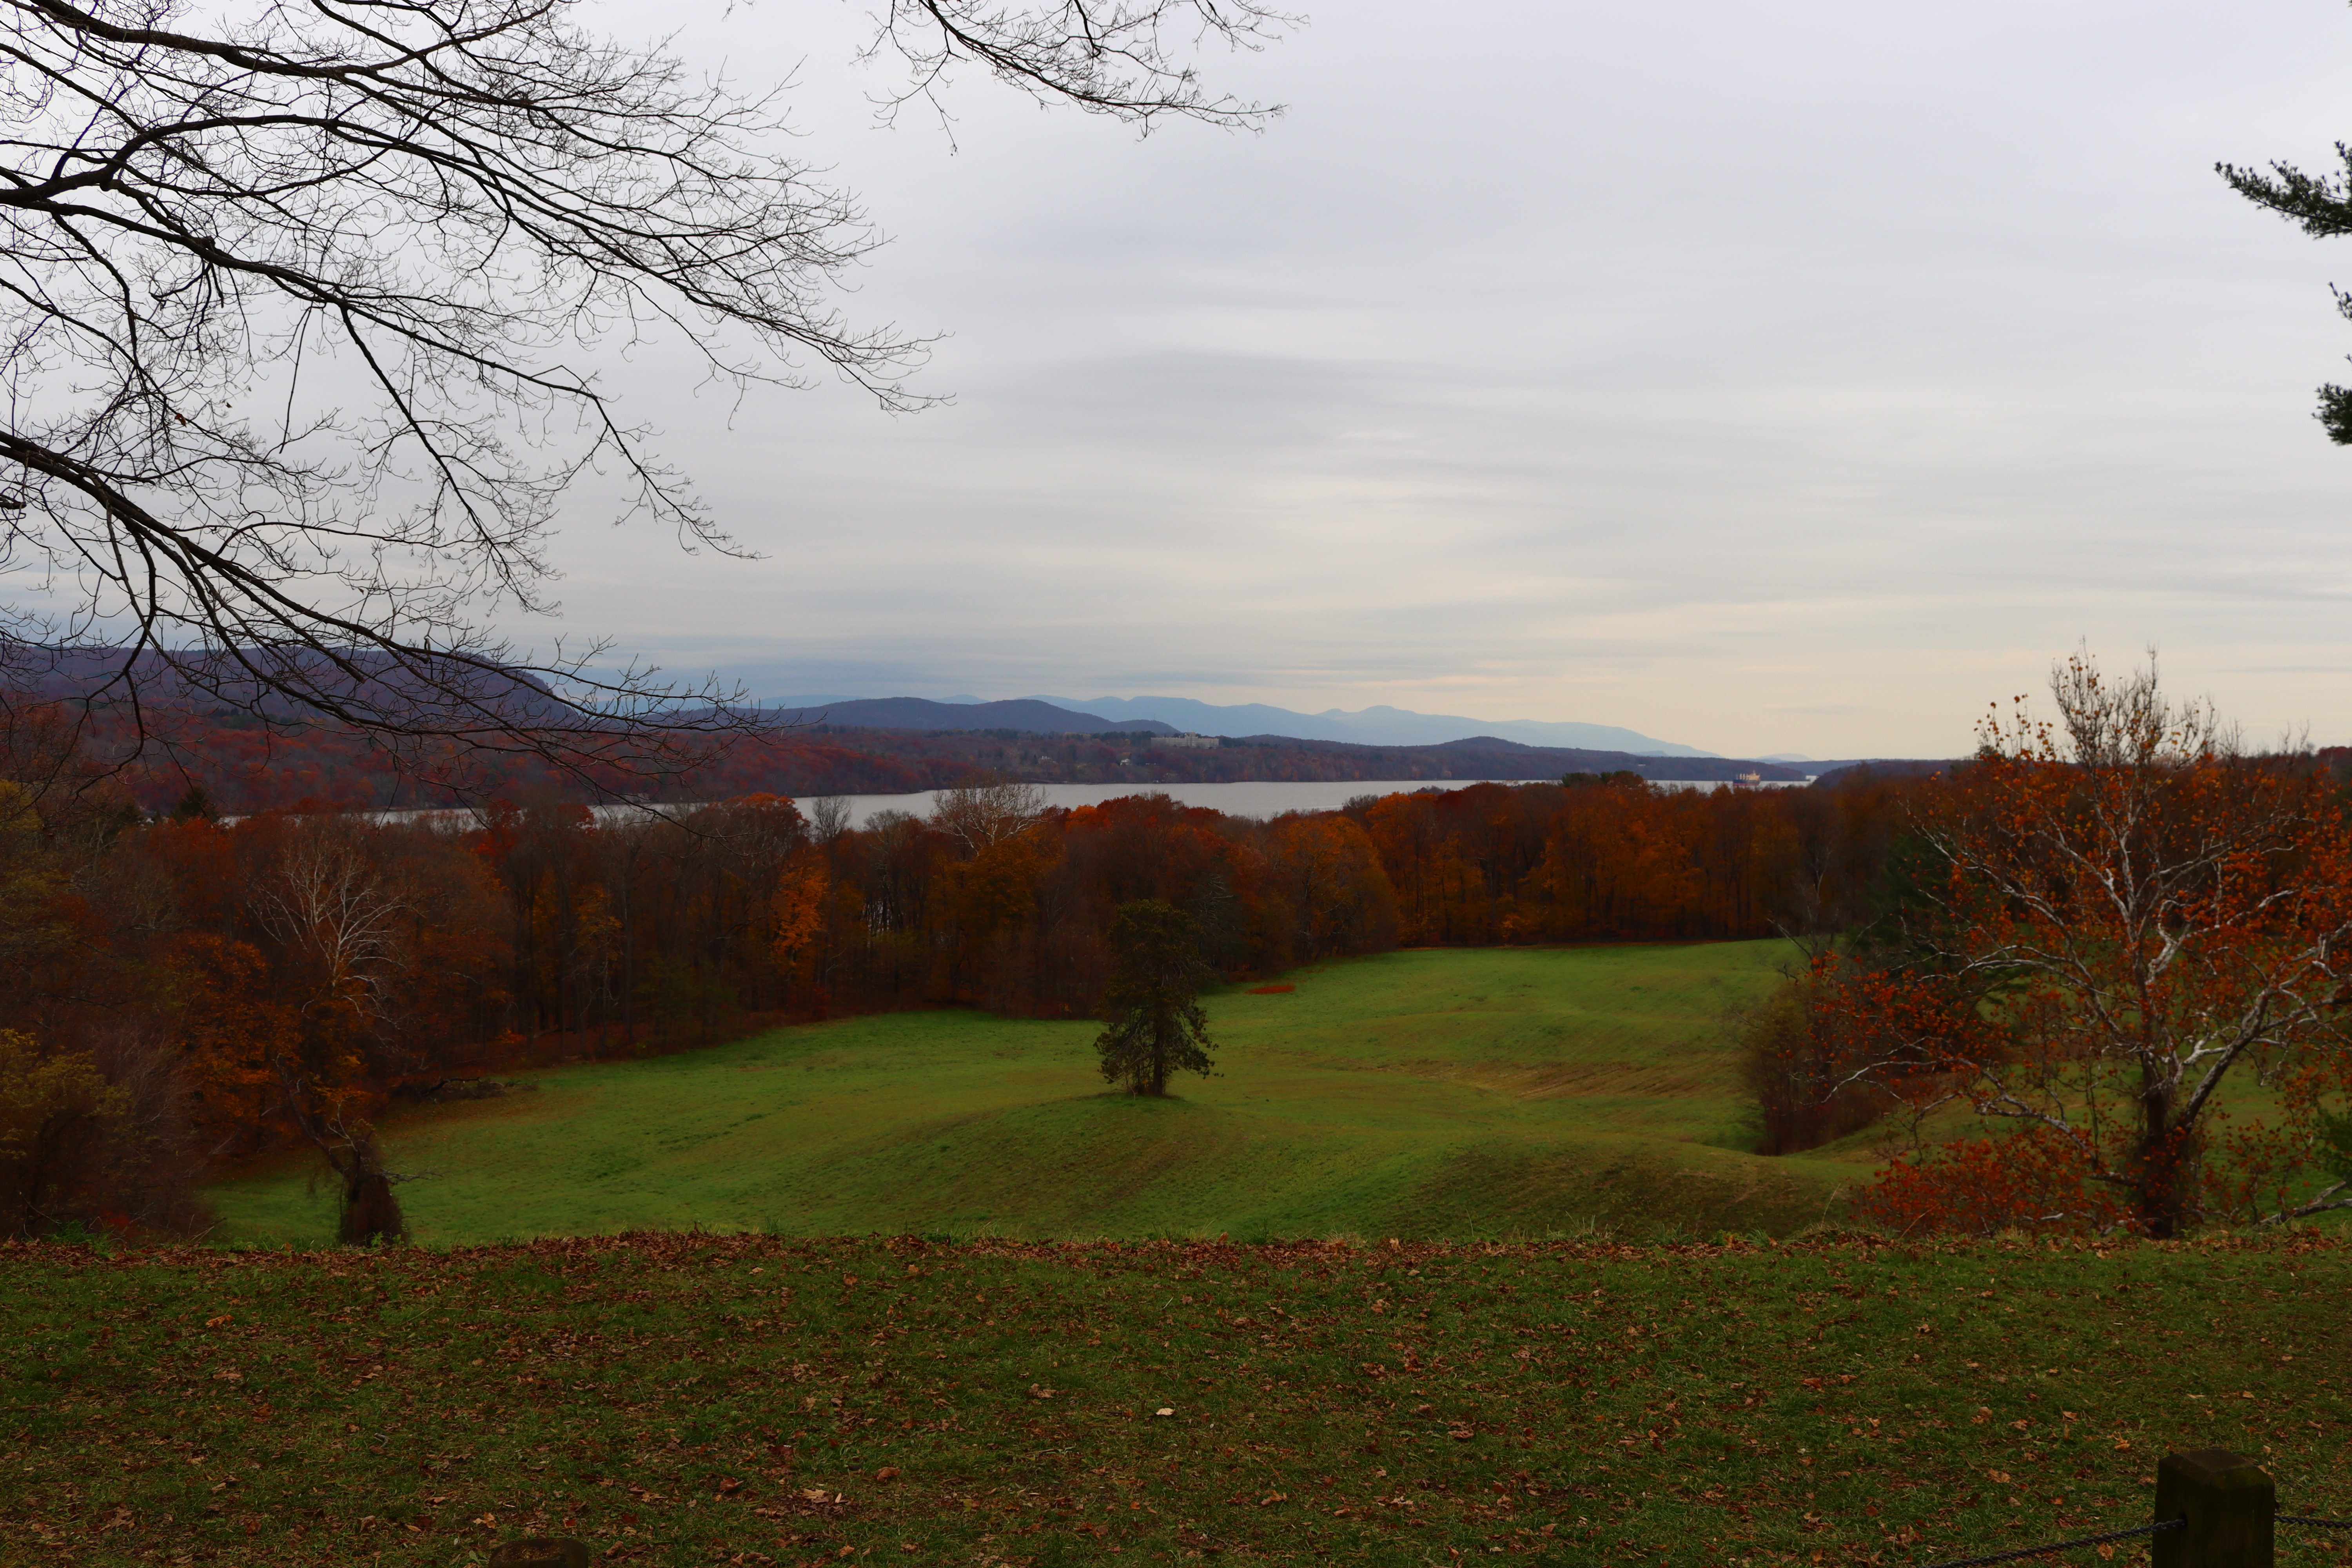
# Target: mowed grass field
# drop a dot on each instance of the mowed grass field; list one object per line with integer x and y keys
{"x": 1428, "y": 1094}
{"x": 682, "y": 1400}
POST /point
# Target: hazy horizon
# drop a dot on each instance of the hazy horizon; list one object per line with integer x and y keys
{"x": 1791, "y": 381}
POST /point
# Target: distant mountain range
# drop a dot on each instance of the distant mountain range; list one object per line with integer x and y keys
{"x": 1380, "y": 726}
{"x": 369, "y": 682}
{"x": 1027, "y": 715}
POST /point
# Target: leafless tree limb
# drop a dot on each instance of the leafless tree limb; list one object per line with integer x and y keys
{"x": 298, "y": 313}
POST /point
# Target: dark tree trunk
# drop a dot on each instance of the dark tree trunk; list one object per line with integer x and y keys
{"x": 2160, "y": 1164}
{"x": 370, "y": 1213}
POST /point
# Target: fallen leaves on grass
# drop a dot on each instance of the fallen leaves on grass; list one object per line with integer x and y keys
{"x": 1730, "y": 1391}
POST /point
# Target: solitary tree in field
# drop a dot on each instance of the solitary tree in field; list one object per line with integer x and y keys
{"x": 1153, "y": 1006}
{"x": 2128, "y": 921}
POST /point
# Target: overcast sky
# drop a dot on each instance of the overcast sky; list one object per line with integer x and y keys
{"x": 1798, "y": 378}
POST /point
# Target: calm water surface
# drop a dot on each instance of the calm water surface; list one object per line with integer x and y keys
{"x": 1258, "y": 800}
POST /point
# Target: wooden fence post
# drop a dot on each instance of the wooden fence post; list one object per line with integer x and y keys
{"x": 2227, "y": 1503}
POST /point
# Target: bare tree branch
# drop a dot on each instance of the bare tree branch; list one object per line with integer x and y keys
{"x": 297, "y": 314}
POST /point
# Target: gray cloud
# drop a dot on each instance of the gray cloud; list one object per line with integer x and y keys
{"x": 1789, "y": 378}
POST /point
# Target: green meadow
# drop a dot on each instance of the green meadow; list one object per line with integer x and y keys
{"x": 1454, "y": 1094}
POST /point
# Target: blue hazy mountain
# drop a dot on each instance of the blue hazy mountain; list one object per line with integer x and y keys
{"x": 1026, "y": 714}
{"x": 1380, "y": 726}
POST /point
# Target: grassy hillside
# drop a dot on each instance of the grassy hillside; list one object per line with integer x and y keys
{"x": 679, "y": 1400}
{"x": 1482, "y": 1093}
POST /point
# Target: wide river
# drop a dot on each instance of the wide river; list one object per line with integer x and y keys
{"x": 1258, "y": 800}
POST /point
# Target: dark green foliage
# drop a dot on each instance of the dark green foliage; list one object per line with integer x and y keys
{"x": 2334, "y": 413}
{"x": 1152, "y": 1004}
{"x": 2335, "y": 1137}
{"x": 2320, "y": 205}
{"x": 1901, "y": 922}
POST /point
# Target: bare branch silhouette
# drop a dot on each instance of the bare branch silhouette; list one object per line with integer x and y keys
{"x": 299, "y": 312}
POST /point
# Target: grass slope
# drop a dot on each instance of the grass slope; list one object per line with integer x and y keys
{"x": 1462, "y": 1094}
{"x": 688, "y": 1400}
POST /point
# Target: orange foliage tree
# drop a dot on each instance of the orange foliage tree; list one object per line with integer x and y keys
{"x": 1338, "y": 893}
{"x": 2127, "y": 920}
